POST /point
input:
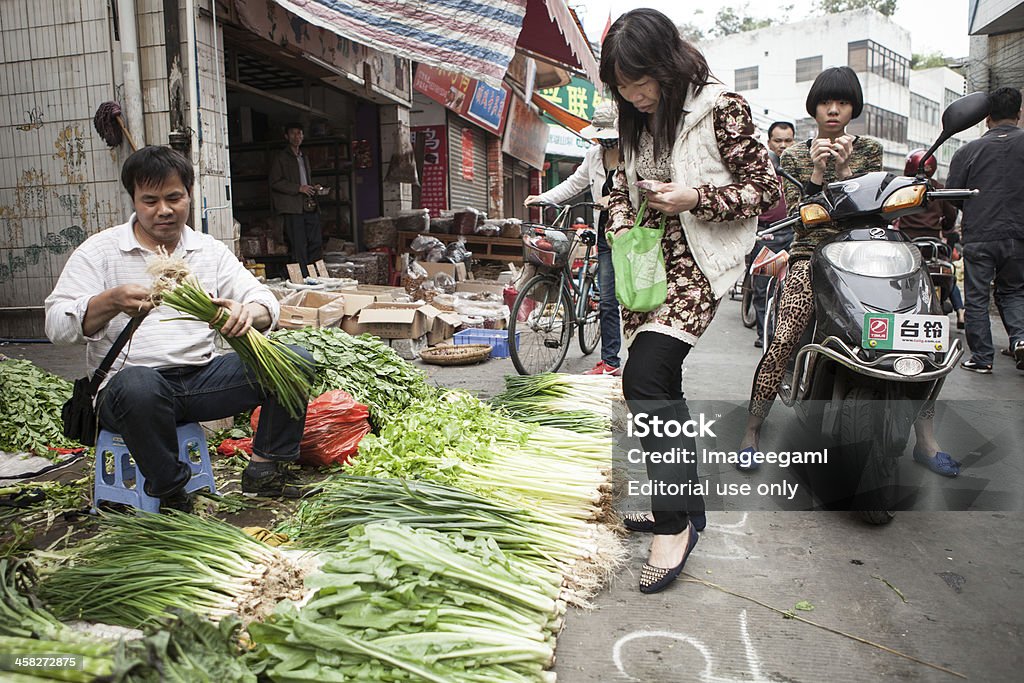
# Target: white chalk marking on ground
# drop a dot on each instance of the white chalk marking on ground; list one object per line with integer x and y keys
{"x": 707, "y": 675}
{"x": 734, "y": 551}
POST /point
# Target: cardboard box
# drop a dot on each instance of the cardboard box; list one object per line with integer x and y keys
{"x": 440, "y": 324}
{"x": 457, "y": 271}
{"x": 311, "y": 309}
{"x": 394, "y": 320}
{"x": 359, "y": 297}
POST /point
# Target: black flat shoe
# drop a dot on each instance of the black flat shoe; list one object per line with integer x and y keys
{"x": 654, "y": 579}
{"x": 639, "y": 521}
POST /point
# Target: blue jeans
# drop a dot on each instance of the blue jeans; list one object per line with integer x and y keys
{"x": 1001, "y": 261}
{"x": 144, "y": 406}
{"x": 608, "y": 309}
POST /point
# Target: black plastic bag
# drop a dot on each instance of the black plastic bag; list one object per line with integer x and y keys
{"x": 80, "y": 421}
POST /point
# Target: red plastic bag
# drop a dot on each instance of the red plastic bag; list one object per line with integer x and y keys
{"x": 230, "y": 447}
{"x": 335, "y": 424}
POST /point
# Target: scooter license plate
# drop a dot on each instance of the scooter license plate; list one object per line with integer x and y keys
{"x": 899, "y": 332}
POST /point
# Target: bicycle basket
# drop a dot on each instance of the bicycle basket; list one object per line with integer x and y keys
{"x": 546, "y": 247}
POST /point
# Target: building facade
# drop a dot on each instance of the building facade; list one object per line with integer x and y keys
{"x": 997, "y": 44}
{"x": 774, "y": 68}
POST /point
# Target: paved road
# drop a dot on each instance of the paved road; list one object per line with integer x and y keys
{"x": 945, "y": 588}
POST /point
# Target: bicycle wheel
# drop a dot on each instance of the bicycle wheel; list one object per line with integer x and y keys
{"x": 540, "y": 317}
{"x": 589, "y": 320}
{"x": 747, "y": 312}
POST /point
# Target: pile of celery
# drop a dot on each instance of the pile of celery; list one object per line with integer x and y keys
{"x": 398, "y": 604}
{"x": 138, "y": 567}
{"x": 580, "y": 403}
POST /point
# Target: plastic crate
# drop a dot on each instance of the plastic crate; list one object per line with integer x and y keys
{"x": 497, "y": 339}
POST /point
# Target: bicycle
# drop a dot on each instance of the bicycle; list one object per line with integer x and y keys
{"x": 553, "y": 304}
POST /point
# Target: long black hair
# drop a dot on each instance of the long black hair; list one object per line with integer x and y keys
{"x": 644, "y": 42}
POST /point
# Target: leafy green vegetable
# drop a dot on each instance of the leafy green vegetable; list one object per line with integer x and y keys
{"x": 365, "y": 367}
{"x": 581, "y": 403}
{"x": 30, "y": 403}
{"x": 398, "y": 604}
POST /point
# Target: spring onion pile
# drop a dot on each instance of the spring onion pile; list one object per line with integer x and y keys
{"x": 183, "y": 648}
{"x": 278, "y": 369}
{"x": 138, "y": 567}
{"x": 364, "y": 366}
{"x": 29, "y": 631}
{"x": 400, "y": 604}
{"x": 30, "y": 403}
{"x": 583, "y": 554}
{"x": 581, "y": 403}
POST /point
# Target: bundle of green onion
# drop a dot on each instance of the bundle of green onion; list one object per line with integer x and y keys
{"x": 579, "y": 403}
{"x": 400, "y": 604}
{"x": 138, "y": 567}
{"x": 278, "y": 369}
{"x": 29, "y": 631}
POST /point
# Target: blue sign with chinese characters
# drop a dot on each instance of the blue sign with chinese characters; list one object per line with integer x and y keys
{"x": 488, "y": 106}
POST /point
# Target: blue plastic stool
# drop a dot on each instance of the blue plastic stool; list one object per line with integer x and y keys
{"x": 126, "y": 484}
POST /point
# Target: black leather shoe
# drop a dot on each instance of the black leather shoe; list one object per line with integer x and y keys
{"x": 278, "y": 483}
{"x": 179, "y": 501}
{"x": 759, "y": 343}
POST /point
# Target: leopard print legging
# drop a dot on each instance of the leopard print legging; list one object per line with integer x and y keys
{"x": 795, "y": 309}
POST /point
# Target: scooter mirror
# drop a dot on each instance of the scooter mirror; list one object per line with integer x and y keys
{"x": 964, "y": 113}
{"x": 959, "y": 116}
{"x": 776, "y": 161}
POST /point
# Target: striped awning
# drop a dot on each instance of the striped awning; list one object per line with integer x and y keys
{"x": 474, "y": 37}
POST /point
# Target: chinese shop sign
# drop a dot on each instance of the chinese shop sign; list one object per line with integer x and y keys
{"x": 580, "y": 97}
{"x": 467, "y": 97}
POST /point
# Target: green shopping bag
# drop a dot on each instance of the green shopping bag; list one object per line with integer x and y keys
{"x": 640, "y": 281}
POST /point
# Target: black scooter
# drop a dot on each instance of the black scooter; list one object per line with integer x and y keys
{"x": 879, "y": 346}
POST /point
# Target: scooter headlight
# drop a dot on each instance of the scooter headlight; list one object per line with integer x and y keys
{"x": 874, "y": 259}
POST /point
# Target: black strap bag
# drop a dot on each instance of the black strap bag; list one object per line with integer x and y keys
{"x": 81, "y": 423}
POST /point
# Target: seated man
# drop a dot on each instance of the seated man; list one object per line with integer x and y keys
{"x": 170, "y": 372}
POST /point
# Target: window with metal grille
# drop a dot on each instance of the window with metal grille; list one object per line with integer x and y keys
{"x": 924, "y": 109}
{"x": 746, "y": 79}
{"x": 867, "y": 56}
{"x": 808, "y": 68}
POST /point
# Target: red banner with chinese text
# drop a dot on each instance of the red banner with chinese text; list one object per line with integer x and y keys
{"x": 434, "y": 184}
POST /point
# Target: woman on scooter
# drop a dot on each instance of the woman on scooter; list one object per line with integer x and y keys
{"x": 834, "y": 99}
{"x": 689, "y": 148}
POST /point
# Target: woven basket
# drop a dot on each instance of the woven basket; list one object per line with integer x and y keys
{"x": 463, "y": 354}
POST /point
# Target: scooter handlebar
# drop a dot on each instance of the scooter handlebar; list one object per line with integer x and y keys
{"x": 952, "y": 194}
{"x": 780, "y": 225}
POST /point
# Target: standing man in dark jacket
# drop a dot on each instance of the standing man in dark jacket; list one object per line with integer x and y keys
{"x": 781, "y": 136}
{"x": 993, "y": 229}
{"x": 294, "y": 199}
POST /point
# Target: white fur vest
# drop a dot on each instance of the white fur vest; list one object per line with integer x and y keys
{"x": 718, "y": 248}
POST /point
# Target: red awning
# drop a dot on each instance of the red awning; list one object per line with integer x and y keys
{"x": 552, "y": 33}
{"x": 563, "y": 117}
